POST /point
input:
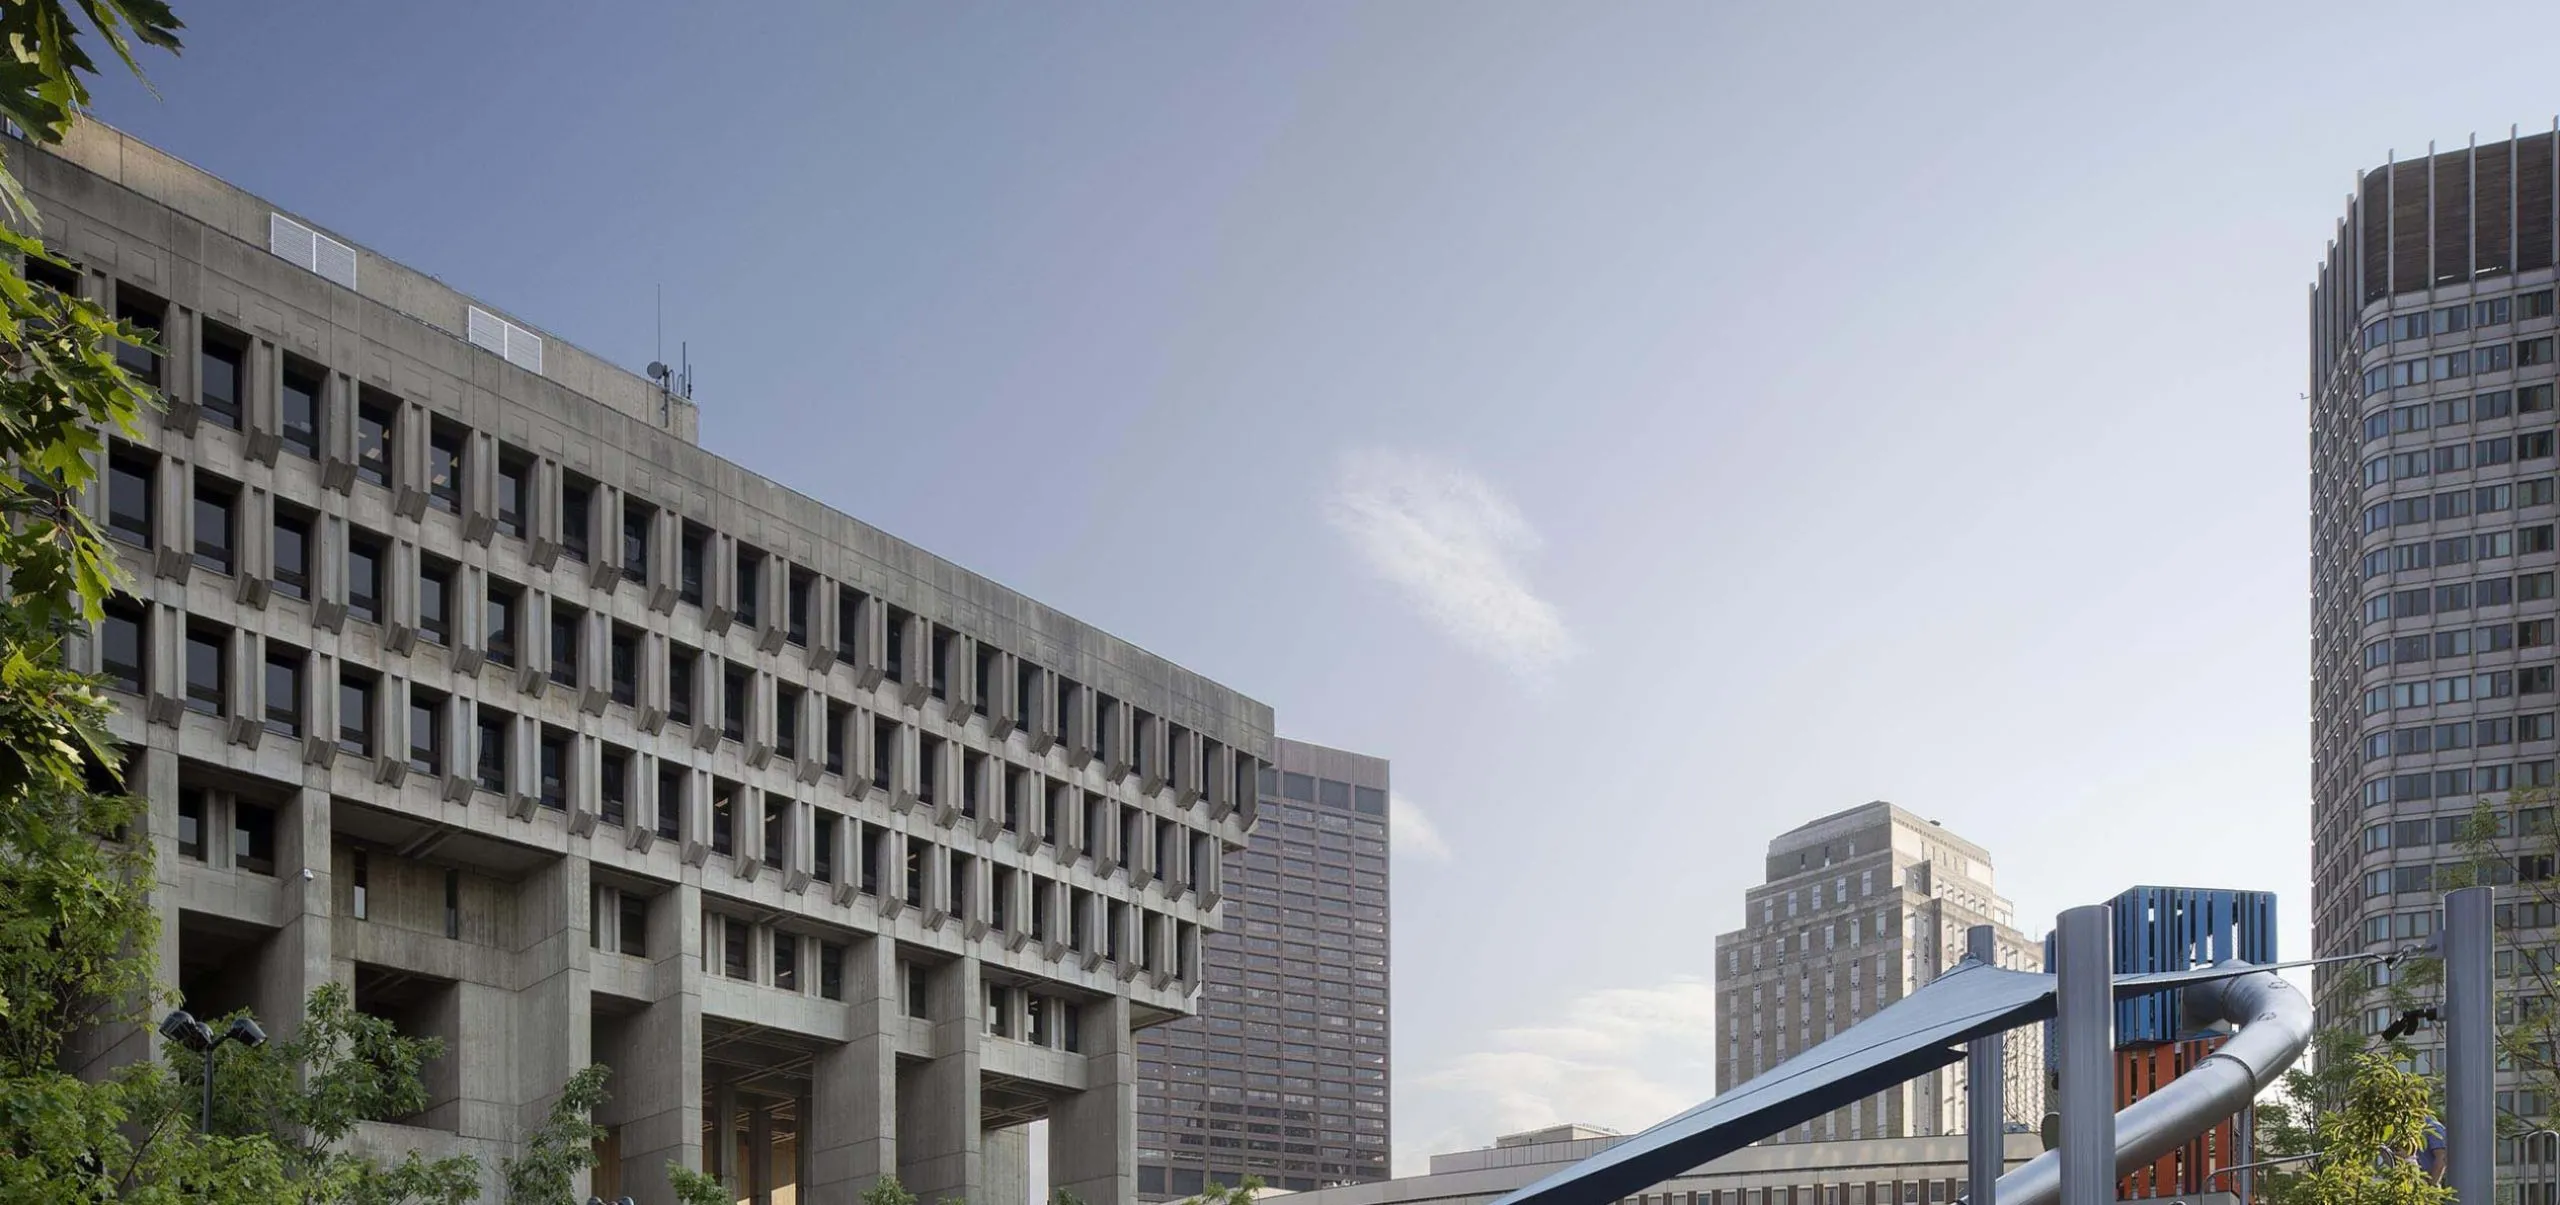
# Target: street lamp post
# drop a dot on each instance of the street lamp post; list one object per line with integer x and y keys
{"x": 183, "y": 1028}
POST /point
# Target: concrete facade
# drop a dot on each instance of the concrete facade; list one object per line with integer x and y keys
{"x": 1873, "y": 1171}
{"x": 1858, "y": 909}
{"x": 458, "y": 674}
{"x": 1284, "y": 1073}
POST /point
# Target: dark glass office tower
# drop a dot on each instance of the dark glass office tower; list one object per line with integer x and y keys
{"x": 1282, "y": 1074}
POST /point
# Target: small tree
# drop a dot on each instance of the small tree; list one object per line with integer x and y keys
{"x": 2367, "y": 1148}
{"x": 887, "y": 1191}
{"x": 563, "y": 1146}
{"x": 697, "y": 1188}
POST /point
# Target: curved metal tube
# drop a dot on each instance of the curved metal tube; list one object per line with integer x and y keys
{"x": 2274, "y": 1027}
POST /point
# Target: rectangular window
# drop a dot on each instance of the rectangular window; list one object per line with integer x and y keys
{"x": 515, "y": 476}
{"x": 453, "y": 903}
{"x": 671, "y": 784}
{"x": 796, "y": 606}
{"x": 777, "y": 829}
{"x": 284, "y": 690}
{"x": 208, "y": 678}
{"x": 299, "y": 404}
{"x": 191, "y": 826}
{"x": 253, "y": 837}
{"x": 129, "y": 499}
{"x": 565, "y": 623}
{"x": 786, "y": 961}
{"x": 637, "y": 518}
{"x": 884, "y": 745}
{"x": 724, "y": 818}
{"x": 734, "y": 960}
{"x": 355, "y": 713}
{"x": 147, "y": 315}
{"x": 915, "y": 872}
{"x": 435, "y": 592}
{"x": 376, "y": 415}
{"x": 2489, "y": 313}
{"x": 831, "y": 970}
{"x": 2534, "y": 445}
{"x": 680, "y": 665}
{"x": 938, "y": 648}
{"x": 214, "y": 534}
{"x": 2533, "y": 305}
{"x": 364, "y": 576}
{"x": 2495, "y": 591}
{"x": 750, "y": 584}
{"x": 292, "y": 554}
{"x": 786, "y": 722}
{"x": 493, "y": 750}
{"x": 360, "y": 886}
{"x": 839, "y": 723}
{"x": 626, "y": 664}
{"x": 121, "y": 635}
{"x": 734, "y": 684}
{"x": 633, "y": 929}
{"x": 502, "y": 623}
{"x": 822, "y": 842}
{"x": 872, "y": 843}
{"x": 2453, "y": 458}
{"x": 218, "y": 378}
{"x": 613, "y": 786}
{"x": 2535, "y": 491}
{"x": 894, "y": 666}
{"x": 577, "y": 503}
{"x": 2497, "y": 403}
{"x": 426, "y": 733}
{"x": 554, "y": 767}
{"x": 2532, "y": 399}
{"x": 2533, "y": 539}
{"x": 917, "y": 983}
{"x": 444, "y": 468}
{"x": 2530, "y": 352}
{"x": 693, "y": 555}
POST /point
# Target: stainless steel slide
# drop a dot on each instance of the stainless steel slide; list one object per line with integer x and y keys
{"x": 2273, "y": 1027}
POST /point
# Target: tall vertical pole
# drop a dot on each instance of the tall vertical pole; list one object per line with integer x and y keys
{"x": 2470, "y": 1049}
{"x": 2085, "y": 1025}
{"x": 1985, "y": 1080}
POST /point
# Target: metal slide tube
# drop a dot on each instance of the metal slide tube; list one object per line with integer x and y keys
{"x": 2274, "y": 1028}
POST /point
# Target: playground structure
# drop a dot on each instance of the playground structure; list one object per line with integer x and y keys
{"x": 1961, "y": 1015}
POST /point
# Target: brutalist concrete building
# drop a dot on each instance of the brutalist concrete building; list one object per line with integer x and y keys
{"x": 1283, "y": 1074}
{"x": 1859, "y": 908}
{"x": 460, "y": 675}
{"x": 2431, "y": 365}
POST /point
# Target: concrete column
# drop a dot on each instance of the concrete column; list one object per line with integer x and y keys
{"x": 759, "y": 1161}
{"x": 295, "y": 962}
{"x": 1091, "y": 1133}
{"x": 658, "y": 1074}
{"x": 152, "y": 777}
{"x": 851, "y": 1137}
{"x": 554, "y": 1029}
{"x": 938, "y": 1103}
{"x": 723, "y": 1156}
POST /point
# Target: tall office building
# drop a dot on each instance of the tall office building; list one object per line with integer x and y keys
{"x": 1283, "y": 1074}
{"x": 457, "y": 673}
{"x": 2432, "y": 606}
{"x": 1859, "y": 908}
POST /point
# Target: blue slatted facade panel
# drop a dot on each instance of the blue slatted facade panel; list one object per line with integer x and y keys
{"x": 2176, "y": 929}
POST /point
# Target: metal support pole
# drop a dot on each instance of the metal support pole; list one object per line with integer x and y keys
{"x": 2085, "y": 1024}
{"x": 1984, "y": 1076}
{"x": 2470, "y": 1050}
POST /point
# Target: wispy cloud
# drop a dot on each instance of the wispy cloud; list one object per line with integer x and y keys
{"x": 1624, "y": 1058}
{"x": 1453, "y": 544}
{"x": 1411, "y": 832}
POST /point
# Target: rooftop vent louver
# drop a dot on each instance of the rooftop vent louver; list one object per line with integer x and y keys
{"x": 311, "y": 250}
{"x": 521, "y": 347}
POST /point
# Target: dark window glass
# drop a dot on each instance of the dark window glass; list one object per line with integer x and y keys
{"x": 937, "y": 648}
{"x": 284, "y": 691}
{"x": 299, "y": 421}
{"x": 1301, "y": 787}
{"x": 426, "y": 733}
{"x": 786, "y": 722}
{"x": 796, "y": 622}
{"x": 750, "y": 584}
{"x": 502, "y": 623}
{"x": 218, "y": 380}
{"x": 444, "y": 470}
{"x": 786, "y": 961}
{"x": 514, "y": 471}
{"x": 777, "y": 830}
{"x": 917, "y": 983}
{"x": 822, "y": 841}
{"x": 191, "y": 829}
{"x": 435, "y": 588}
{"x": 872, "y": 843}
{"x": 120, "y": 645}
{"x": 724, "y": 818}
{"x": 838, "y": 723}
{"x": 626, "y": 665}
{"x": 293, "y": 555}
{"x": 680, "y": 663}
{"x": 636, "y": 519}
{"x": 831, "y": 970}
{"x": 734, "y": 959}
{"x": 60, "y": 279}
{"x": 146, "y": 314}
{"x": 696, "y": 552}
{"x": 253, "y": 837}
{"x": 374, "y": 420}
{"x": 129, "y": 495}
{"x": 733, "y": 704}
{"x": 635, "y": 925}
{"x": 670, "y": 799}
{"x": 207, "y": 677}
{"x": 360, "y": 885}
{"x": 613, "y": 786}
{"x": 453, "y": 903}
{"x": 493, "y": 751}
{"x": 564, "y": 644}
{"x": 895, "y": 648}
{"x": 577, "y": 500}
{"x": 364, "y": 578}
{"x": 884, "y": 745}
{"x": 555, "y": 769}
{"x": 355, "y": 714}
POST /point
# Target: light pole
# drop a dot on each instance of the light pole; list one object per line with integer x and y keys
{"x": 183, "y": 1028}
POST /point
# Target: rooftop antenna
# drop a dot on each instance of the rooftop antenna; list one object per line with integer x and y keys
{"x": 672, "y": 382}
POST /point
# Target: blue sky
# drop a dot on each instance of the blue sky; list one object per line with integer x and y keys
{"x": 1650, "y": 425}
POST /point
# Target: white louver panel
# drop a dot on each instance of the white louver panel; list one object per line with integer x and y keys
{"x": 311, "y": 250}
{"x": 521, "y": 347}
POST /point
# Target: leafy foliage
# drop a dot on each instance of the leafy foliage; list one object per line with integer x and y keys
{"x": 887, "y": 1191}
{"x": 2369, "y": 1143}
{"x": 702, "y": 1188}
{"x": 563, "y": 1146}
